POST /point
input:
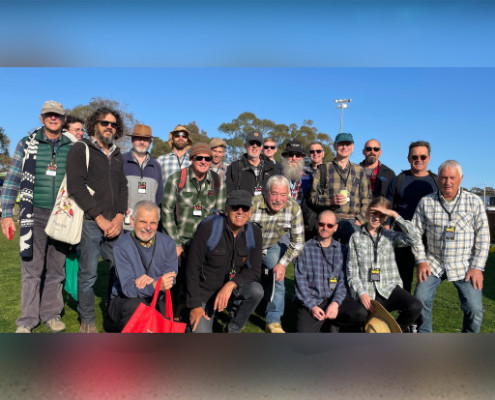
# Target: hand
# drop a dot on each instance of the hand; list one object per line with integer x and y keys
{"x": 332, "y": 310}
{"x": 103, "y": 223}
{"x": 385, "y": 211}
{"x": 476, "y": 277}
{"x": 167, "y": 280}
{"x": 116, "y": 226}
{"x": 180, "y": 254}
{"x": 279, "y": 272}
{"x": 423, "y": 271}
{"x": 357, "y": 223}
{"x": 223, "y": 296}
{"x": 338, "y": 199}
{"x": 318, "y": 313}
{"x": 6, "y": 224}
{"x": 365, "y": 300}
{"x": 195, "y": 316}
{"x": 143, "y": 281}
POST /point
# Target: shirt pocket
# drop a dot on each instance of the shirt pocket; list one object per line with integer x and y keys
{"x": 465, "y": 222}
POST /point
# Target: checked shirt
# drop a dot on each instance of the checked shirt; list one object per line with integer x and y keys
{"x": 170, "y": 163}
{"x": 274, "y": 226}
{"x": 471, "y": 244}
{"x": 362, "y": 257}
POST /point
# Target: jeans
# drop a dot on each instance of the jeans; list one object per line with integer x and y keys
{"x": 247, "y": 300}
{"x": 471, "y": 303}
{"x": 92, "y": 244}
{"x": 275, "y": 308}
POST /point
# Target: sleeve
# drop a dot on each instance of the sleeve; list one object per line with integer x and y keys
{"x": 296, "y": 236}
{"x": 229, "y": 179}
{"x": 159, "y": 190}
{"x": 12, "y": 182}
{"x": 248, "y": 275}
{"x": 352, "y": 268}
{"x": 409, "y": 235}
{"x": 301, "y": 265}
{"x": 390, "y": 196}
{"x": 194, "y": 262}
{"x": 419, "y": 222}
{"x": 168, "y": 208}
{"x": 222, "y": 196}
{"x": 481, "y": 245}
{"x": 365, "y": 191}
{"x": 123, "y": 190}
{"x": 341, "y": 289}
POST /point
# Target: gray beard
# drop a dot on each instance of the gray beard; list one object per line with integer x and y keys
{"x": 291, "y": 172}
{"x": 103, "y": 139}
{"x": 139, "y": 153}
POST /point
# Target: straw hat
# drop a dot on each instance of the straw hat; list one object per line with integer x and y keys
{"x": 380, "y": 321}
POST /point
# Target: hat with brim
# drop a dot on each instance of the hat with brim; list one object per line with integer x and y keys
{"x": 180, "y": 128}
{"x": 254, "y": 136}
{"x": 293, "y": 147}
{"x": 52, "y": 106}
{"x": 200, "y": 148}
{"x": 380, "y": 321}
{"x": 217, "y": 142}
{"x": 239, "y": 198}
{"x": 343, "y": 137}
{"x": 141, "y": 130}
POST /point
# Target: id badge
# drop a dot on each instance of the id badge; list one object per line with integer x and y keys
{"x": 375, "y": 274}
{"x": 258, "y": 190}
{"x": 197, "y": 210}
{"x": 51, "y": 169}
{"x": 142, "y": 187}
{"x": 332, "y": 283}
{"x": 450, "y": 232}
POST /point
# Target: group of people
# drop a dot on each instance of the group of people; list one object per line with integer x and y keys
{"x": 354, "y": 233}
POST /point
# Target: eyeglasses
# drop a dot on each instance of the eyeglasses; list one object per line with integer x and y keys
{"x": 106, "y": 123}
{"x": 180, "y": 134}
{"x": 322, "y": 225}
{"x": 422, "y": 156}
{"x": 254, "y": 143}
{"x": 201, "y": 158}
{"x": 269, "y": 147}
{"x": 375, "y": 149}
{"x": 78, "y": 130}
{"x": 290, "y": 155}
{"x": 236, "y": 208}
{"x": 315, "y": 151}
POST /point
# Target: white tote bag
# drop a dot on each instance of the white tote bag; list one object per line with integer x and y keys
{"x": 66, "y": 219}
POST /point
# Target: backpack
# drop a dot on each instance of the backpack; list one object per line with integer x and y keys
{"x": 310, "y": 211}
{"x": 400, "y": 181}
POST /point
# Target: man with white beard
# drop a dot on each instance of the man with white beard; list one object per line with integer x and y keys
{"x": 293, "y": 170}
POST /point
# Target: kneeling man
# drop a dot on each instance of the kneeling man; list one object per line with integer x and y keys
{"x": 141, "y": 258}
{"x": 224, "y": 263}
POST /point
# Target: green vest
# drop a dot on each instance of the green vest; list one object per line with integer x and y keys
{"x": 46, "y": 186}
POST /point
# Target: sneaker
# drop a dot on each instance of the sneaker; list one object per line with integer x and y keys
{"x": 274, "y": 327}
{"x": 55, "y": 324}
{"x": 88, "y": 328}
{"x": 23, "y": 329}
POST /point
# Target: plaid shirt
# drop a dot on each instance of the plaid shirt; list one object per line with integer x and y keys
{"x": 170, "y": 163}
{"x": 274, "y": 226}
{"x": 192, "y": 193}
{"x": 12, "y": 182}
{"x": 362, "y": 257}
{"x": 313, "y": 271}
{"x": 221, "y": 170}
{"x": 471, "y": 244}
{"x": 354, "y": 180}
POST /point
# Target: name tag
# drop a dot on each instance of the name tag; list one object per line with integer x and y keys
{"x": 197, "y": 210}
{"x": 51, "y": 169}
{"x": 375, "y": 274}
{"x": 450, "y": 232}
{"x": 332, "y": 283}
{"x": 142, "y": 187}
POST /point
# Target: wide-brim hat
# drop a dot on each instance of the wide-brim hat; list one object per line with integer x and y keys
{"x": 293, "y": 147}
{"x": 380, "y": 321}
{"x": 141, "y": 130}
{"x": 180, "y": 128}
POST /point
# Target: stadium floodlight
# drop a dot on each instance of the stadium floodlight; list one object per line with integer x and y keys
{"x": 342, "y": 103}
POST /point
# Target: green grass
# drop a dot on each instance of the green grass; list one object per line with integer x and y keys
{"x": 447, "y": 316}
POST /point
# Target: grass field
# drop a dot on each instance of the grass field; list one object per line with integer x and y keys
{"x": 447, "y": 316}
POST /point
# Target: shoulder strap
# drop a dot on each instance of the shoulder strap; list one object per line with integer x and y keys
{"x": 182, "y": 181}
{"x": 434, "y": 177}
{"x": 215, "y": 181}
{"x": 216, "y": 231}
{"x": 249, "y": 241}
{"x": 398, "y": 185}
{"x": 323, "y": 175}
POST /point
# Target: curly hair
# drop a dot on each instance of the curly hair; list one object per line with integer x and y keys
{"x": 71, "y": 119}
{"x": 100, "y": 113}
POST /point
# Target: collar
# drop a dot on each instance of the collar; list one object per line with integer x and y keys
{"x": 135, "y": 159}
{"x": 458, "y": 194}
{"x": 147, "y": 244}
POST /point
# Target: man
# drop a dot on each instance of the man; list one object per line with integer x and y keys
{"x": 218, "y": 147}
{"x": 228, "y": 270}
{"x": 74, "y": 125}
{"x": 345, "y": 189}
{"x": 141, "y": 258}
{"x": 458, "y": 240}
{"x": 379, "y": 174}
{"x": 316, "y": 155}
{"x": 320, "y": 281}
{"x": 269, "y": 150}
{"x": 144, "y": 176}
{"x": 180, "y": 141}
{"x": 277, "y": 213}
{"x": 104, "y": 210}
{"x": 252, "y": 171}
{"x": 292, "y": 167}
{"x": 405, "y": 192}
{"x": 37, "y": 170}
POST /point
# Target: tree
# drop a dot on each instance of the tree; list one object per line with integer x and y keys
{"x": 247, "y": 122}
{"x": 5, "y": 159}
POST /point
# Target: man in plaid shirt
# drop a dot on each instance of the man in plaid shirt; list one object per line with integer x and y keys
{"x": 180, "y": 141}
{"x": 278, "y": 214}
{"x": 458, "y": 241}
{"x": 346, "y": 190}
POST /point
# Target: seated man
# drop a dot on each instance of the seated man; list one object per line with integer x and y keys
{"x": 224, "y": 263}
{"x": 320, "y": 281}
{"x": 141, "y": 258}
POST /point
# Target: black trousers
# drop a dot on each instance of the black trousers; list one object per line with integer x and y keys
{"x": 352, "y": 314}
{"x": 409, "y": 306}
{"x": 405, "y": 263}
{"x": 120, "y": 310}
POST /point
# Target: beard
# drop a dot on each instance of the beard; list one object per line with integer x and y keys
{"x": 141, "y": 153}
{"x": 370, "y": 160}
{"x": 104, "y": 139}
{"x": 180, "y": 144}
{"x": 291, "y": 171}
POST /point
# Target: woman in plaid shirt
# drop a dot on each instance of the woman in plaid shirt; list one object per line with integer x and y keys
{"x": 372, "y": 272}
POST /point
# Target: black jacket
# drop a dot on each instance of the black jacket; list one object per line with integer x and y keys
{"x": 105, "y": 176}
{"x": 215, "y": 266}
{"x": 240, "y": 176}
{"x": 384, "y": 176}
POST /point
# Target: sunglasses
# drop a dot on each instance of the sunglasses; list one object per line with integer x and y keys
{"x": 254, "y": 143}
{"x": 375, "y": 149}
{"x": 201, "y": 158}
{"x": 180, "y": 134}
{"x": 106, "y": 123}
{"x": 422, "y": 156}
{"x": 244, "y": 208}
{"x": 322, "y": 224}
{"x": 290, "y": 155}
{"x": 315, "y": 151}
{"x": 269, "y": 147}
{"x": 52, "y": 114}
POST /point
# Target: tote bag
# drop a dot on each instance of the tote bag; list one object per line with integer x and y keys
{"x": 147, "y": 319}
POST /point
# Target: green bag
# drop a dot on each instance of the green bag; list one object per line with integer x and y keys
{"x": 71, "y": 268}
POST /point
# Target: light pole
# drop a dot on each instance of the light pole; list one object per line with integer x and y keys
{"x": 342, "y": 103}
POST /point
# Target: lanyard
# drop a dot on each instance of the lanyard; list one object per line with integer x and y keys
{"x": 198, "y": 190}
{"x": 445, "y": 208}
{"x": 375, "y": 244}
{"x": 179, "y": 161}
{"x": 326, "y": 259}
{"x": 337, "y": 168}
{"x": 147, "y": 268}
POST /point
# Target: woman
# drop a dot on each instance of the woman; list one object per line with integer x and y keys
{"x": 372, "y": 272}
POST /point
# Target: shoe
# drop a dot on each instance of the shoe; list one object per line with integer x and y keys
{"x": 55, "y": 324}
{"x": 23, "y": 329}
{"x": 274, "y": 327}
{"x": 88, "y": 328}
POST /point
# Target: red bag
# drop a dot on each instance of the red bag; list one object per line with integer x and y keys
{"x": 147, "y": 319}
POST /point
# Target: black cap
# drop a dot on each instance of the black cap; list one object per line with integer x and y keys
{"x": 293, "y": 147}
{"x": 254, "y": 136}
{"x": 239, "y": 198}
